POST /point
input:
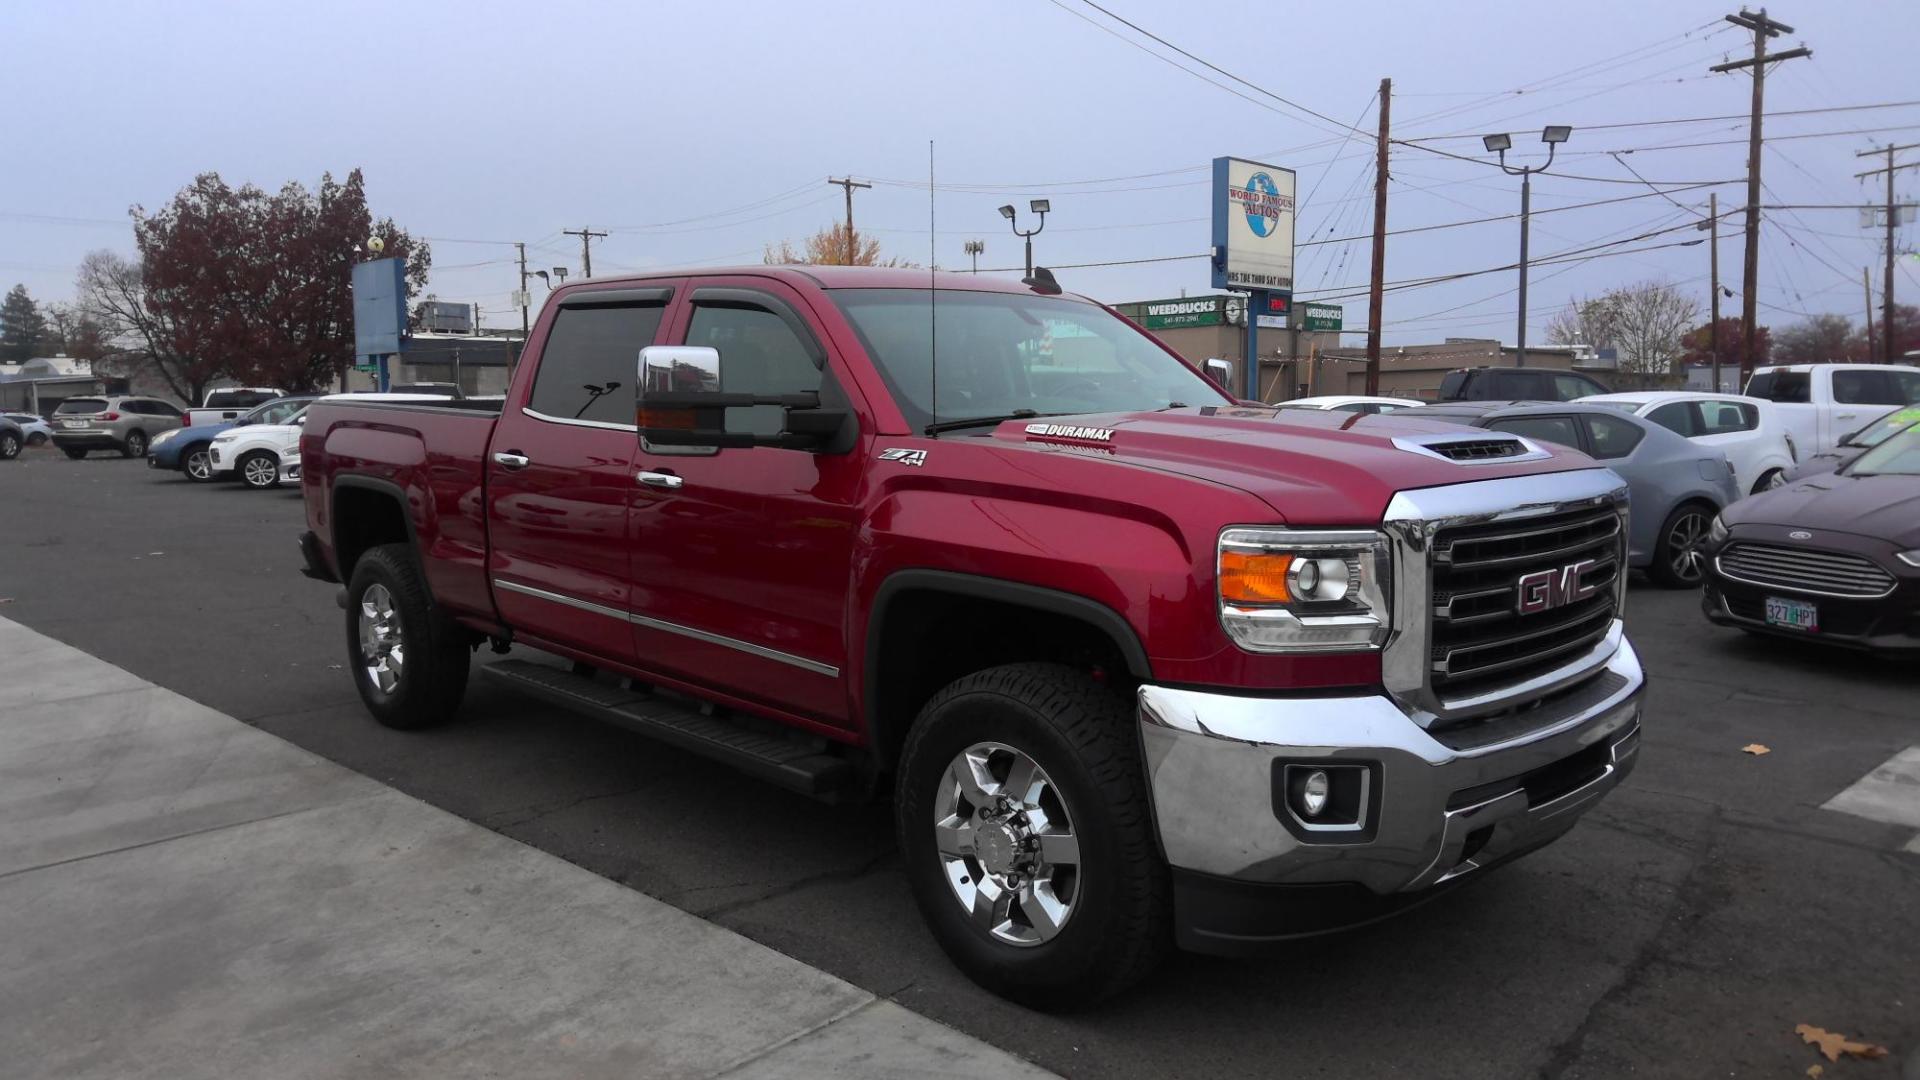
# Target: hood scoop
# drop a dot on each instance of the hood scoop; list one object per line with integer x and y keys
{"x": 1476, "y": 449}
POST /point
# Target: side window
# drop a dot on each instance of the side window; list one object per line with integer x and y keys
{"x": 759, "y": 354}
{"x": 1862, "y": 388}
{"x": 1613, "y": 436}
{"x": 1354, "y": 406}
{"x": 1553, "y": 429}
{"x": 1568, "y": 387}
{"x": 1725, "y": 417}
{"x": 161, "y": 408}
{"x": 589, "y": 365}
{"x": 1677, "y": 417}
{"x": 1906, "y": 386}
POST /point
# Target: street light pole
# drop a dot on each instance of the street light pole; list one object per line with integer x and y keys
{"x": 1038, "y": 206}
{"x": 975, "y": 248}
{"x": 1553, "y": 135}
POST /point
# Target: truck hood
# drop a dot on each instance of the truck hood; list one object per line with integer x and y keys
{"x": 1312, "y": 467}
{"x": 1884, "y": 507}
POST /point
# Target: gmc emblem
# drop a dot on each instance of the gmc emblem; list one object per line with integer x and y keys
{"x": 1544, "y": 590}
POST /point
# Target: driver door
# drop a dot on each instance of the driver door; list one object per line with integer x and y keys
{"x": 742, "y": 557}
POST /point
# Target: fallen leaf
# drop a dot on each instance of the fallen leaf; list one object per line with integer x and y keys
{"x": 156, "y": 553}
{"x": 1756, "y": 749}
{"x": 1832, "y": 1044}
{"x": 1815, "y": 1071}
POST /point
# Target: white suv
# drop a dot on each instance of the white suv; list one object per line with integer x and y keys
{"x": 1748, "y": 430}
{"x": 255, "y": 452}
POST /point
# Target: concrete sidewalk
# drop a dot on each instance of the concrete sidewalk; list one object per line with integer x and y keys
{"x": 183, "y": 895}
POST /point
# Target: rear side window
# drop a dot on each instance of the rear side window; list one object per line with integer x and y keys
{"x": 1786, "y": 387}
{"x": 1726, "y": 417}
{"x": 160, "y": 408}
{"x": 1906, "y": 386}
{"x": 80, "y": 405}
{"x": 1452, "y": 384}
{"x": 588, "y": 369}
{"x": 1553, "y": 429}
{"x": 1677, "y": 417}
{"x": 1861, "y": 388}
{"x": 1613, "y": 436}
{"x": 1568, "y": 387}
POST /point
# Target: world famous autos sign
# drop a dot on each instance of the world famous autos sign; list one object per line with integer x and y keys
{"x": 1252, "y": 226}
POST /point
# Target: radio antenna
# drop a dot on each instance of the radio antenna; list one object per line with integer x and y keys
{"x": 933, "y": 303}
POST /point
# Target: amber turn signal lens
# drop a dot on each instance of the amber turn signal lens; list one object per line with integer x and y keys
{"x": 678, "y": 419}
{"x": 1254, "y": 578}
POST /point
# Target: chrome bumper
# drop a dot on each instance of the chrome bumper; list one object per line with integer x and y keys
{"x": 1446, "y": 802}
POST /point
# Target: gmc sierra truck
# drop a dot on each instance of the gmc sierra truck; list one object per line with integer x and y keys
{"x": 1139, "y": 665}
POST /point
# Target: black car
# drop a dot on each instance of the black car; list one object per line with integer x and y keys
{"x": 1516, "y": 384}
{"x": 1833, "y": 558}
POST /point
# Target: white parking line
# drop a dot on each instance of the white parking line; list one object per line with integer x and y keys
{"x": 1890, "y": 794}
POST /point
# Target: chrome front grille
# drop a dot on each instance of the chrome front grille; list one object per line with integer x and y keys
{"x": 1480, "y": 639}
{"x": 1822, "y": 573}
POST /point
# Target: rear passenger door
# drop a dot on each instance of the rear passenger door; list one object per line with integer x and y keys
{"x": 560, "y": 484}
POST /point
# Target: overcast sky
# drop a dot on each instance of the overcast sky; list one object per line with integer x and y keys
{"x": 696, "y": 133}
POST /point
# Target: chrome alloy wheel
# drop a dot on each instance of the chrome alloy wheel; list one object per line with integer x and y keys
{"x": 260, "y": 471}
{"x": 200, "y": 465}
{"x": 382, "y": 650}
{"x": 1683, "y": 546}
{"x": 1007, "y": 844}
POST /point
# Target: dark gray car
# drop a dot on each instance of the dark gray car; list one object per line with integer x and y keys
{"x": 1675, "y": 486}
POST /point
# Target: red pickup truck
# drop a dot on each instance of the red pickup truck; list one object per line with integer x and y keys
{"x": 1138, "y": 664}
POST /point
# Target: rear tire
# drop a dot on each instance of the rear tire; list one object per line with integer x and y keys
{"x": 1110, "y": 921}
{"x": 135, "y": 446}
{"x": 409, "y": 660}
{"x": 259, "y": 470}
{"x": 38, "y": 438}
{"x": 74, "y": 452}
{"x": 1678, "y": 562}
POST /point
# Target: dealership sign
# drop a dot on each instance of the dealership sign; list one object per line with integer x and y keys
{"x": 1253, "y": 215}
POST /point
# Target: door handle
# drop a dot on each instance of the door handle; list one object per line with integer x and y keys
{"x": 665, "y": 480}
{"x": 512, "y": 459}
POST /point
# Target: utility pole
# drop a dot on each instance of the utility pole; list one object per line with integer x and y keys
{"x": 848, "y": 183}
{"x": 1762, "y": 28}
{"x": 1713, "y": 261}
{"x": 1866, "y": 286}
{"x": 523, "y": 294}
{"x": 976, "y": 248}
{"x": 586, "y": 251}
{"x": 1379, "y": 244}
{"x": 1893, "y": 219}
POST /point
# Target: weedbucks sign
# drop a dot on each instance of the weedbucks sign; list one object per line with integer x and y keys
{"x": 1177, "y": 312}
{"x": 1322, "y": 317}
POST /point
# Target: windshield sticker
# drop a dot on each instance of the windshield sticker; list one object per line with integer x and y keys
{"x": 914, "y": 458}
{"x": 1069, "y": 431}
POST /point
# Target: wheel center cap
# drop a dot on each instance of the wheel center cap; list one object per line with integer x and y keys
{"x": 997, "y": 847}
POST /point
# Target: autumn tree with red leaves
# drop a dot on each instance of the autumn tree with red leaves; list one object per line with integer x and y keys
{"x": 239, "y": 283}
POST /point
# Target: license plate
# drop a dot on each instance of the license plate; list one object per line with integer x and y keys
{"x": 1793, "y": 614}
{"x": 73, "y": 423}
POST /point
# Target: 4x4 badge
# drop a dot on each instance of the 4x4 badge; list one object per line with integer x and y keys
{"x": 915, "y": 458}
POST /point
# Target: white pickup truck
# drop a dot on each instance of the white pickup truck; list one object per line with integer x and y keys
{"x": 227, "y": 403}
{"x": 1821, "y": 403}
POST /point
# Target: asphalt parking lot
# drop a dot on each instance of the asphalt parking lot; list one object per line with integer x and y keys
{"x": 1683, "y": 929}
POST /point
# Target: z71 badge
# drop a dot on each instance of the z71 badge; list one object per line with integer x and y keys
{"x": 915, "y": 458}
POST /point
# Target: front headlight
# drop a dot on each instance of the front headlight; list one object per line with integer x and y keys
{"x": 1717, "y": 532}
{"x": 1304, "y": 590}
{"x": 164, "y": 437}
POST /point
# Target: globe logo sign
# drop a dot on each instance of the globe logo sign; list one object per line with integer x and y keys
{"x": 1261, "y": 200}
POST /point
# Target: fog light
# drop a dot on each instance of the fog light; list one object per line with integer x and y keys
{"x": 1313, "y": 793}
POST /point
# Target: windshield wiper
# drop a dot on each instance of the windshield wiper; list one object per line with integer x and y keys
{"x": 976, "y": 421}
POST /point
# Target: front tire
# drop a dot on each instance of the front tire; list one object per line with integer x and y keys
{"x": 38, "y": 438}
{"x": 259, "y": 470}
{"x": 74, "y": 452}
{"x": 135, "y": 446}
{"x": 1678, "y": 562}
{"x": 409, "y": 661}
{"x": 1769, "y": 480}
{"x": 1023, "y": 817}
{"x": 197, "y": 463}
{"x": 9, "y": 446}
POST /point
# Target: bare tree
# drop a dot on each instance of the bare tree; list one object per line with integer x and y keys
{"x": 113, "y": 293}
{"x": 1587, "y": 321}
{"x": 1822, "y": 339}
{"x": 1648, "y": 321}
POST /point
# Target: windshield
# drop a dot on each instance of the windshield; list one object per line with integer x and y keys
{"x": 1884, "y": 428}
{"x": 1897, "y": 456}
{"x": 1006, "y": 353}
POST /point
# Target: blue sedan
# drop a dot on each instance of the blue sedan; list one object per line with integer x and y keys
{"x": 185, "y": 449}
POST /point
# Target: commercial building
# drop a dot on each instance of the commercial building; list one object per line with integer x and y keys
{"x": 1415, "y": 371}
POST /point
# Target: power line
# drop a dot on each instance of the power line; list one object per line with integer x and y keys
{"x": 1697, "y": 119}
